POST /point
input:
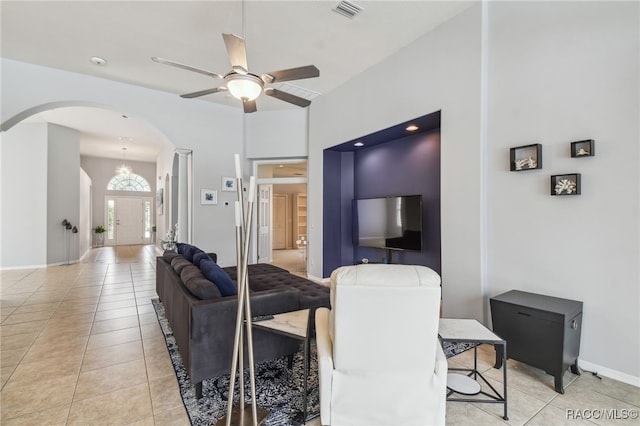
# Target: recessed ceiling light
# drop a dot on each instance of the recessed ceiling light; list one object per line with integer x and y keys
{"x": 411, "y": 128}
{"x": 358, "y": 144}
{"x": 98, "y": 61}
{"x": 281, "y": 166}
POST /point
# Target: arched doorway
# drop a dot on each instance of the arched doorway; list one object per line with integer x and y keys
{"x": 84, "y": 137}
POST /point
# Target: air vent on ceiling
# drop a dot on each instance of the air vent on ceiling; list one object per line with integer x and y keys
{"x": 298, "y": 91}
{"x": 348, "y": 9}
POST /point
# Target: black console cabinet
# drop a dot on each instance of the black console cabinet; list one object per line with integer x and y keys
{"x": 541, "y": 331}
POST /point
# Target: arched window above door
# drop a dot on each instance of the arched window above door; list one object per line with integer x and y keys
{"x": 128, "y": 182}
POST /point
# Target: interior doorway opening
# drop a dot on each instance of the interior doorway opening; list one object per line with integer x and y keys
{"x": 282, "y": 214}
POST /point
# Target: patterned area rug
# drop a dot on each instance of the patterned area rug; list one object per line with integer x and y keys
{"x": 278, "y": 389}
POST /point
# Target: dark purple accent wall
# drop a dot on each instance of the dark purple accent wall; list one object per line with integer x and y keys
{"x": 406, "y": 166}
{"x": 332, "y": 210}
{"x": 346, "y": 218}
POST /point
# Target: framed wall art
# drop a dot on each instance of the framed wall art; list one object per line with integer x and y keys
{"x": 228, "y": 183}
{"x": 567, "y": 184}
{"x": 208, "y": 196}
{"x": 584, "y": 148}
{"x": 526, "y": 157}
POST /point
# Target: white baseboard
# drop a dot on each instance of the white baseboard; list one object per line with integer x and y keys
{"x": 607, "y": 372}
{"x": 45, "y": 265}
{"x": 17, "y": 268}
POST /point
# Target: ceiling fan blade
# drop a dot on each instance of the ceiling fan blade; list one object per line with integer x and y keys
{"x": 203, "y": 92}
{"x": 237, "y": 52}
{"x": 299, "y": 73}
{"x": 287, "y": 97}
{"x": 185, "y": 67}
{"x": 249, "y": 106}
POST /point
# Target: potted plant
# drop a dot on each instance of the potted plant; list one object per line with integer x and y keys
{"x": 99, "y": 231}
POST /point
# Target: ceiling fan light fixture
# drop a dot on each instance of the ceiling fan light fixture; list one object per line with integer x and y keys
{"x": 244, "y": 86}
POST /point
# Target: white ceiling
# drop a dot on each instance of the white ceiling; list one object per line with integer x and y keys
{"x": 279, "y": 34}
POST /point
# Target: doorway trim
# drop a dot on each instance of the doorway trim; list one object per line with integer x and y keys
{"x": 274, "y": 181}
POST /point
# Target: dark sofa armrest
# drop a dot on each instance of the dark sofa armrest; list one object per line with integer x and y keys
{"x": 213, "y": 256}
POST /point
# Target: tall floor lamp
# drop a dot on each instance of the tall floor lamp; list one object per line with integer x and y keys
{"x": 243, "y": 222}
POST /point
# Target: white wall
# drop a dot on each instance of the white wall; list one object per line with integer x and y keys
{"x": 212, "y": 131}
{"x": 545, "y": 72}
{"x": 41, "y": 188}
{"x": 562, "y": 72}
{"x": 440, "y": 71}
{"x": 23, "y": 192}
{"x": 85, "y": 232}
{"x": 63, "y": 193}
{"x": 277, "y": 134}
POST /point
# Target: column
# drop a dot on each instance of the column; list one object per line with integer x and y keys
{"x": 183, "y": 195}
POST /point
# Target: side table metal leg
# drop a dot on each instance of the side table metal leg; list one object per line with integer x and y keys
{"x": 306, "y": 374}
{"x": 503, "y": 361}
{"x": 499, "y": 356}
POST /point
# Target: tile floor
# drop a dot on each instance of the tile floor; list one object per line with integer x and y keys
{"x": 294, "y": 260}
{"x": 80, "y": 345}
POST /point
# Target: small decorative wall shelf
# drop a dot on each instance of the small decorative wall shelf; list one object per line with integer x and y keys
{"x": 526, "y": 157}
{"x": 567, "y": 184}
{"x": 584, "y": 148}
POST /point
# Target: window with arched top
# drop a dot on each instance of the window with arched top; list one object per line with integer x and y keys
{"x": 128, "y": 182}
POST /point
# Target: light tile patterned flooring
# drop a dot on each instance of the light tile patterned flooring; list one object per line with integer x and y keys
{"x": 80, "y": 345}
{"x": 293, "y": 260}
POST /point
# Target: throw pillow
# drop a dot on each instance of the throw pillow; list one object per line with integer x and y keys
{"x": 216, "y": 275}
{"x": 181, "y": 247}
{"x": 199, "y": 256}
{"x": 189, "y": 252}
{"x": 197, "y": 284}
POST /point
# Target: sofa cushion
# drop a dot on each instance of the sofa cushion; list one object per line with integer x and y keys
{"x": 169, "y": 255}
{"x": 198, "y": 284}
{"x": 312, "y": 295}
{"x": 200, "y": 256}
{"x": 255, "y": 269}
{"x": 178, "y": 263}
{"x": 219, "y": 277}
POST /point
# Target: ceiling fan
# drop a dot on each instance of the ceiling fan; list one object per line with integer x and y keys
{"x": 244, "y": 85}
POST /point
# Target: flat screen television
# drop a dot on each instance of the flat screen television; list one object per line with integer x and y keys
{"x": 389, "y": 222}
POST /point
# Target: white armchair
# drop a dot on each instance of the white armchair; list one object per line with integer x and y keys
{"x": 379, "y": 358}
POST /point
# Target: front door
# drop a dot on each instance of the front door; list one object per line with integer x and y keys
{"x": 129, "y": 221}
